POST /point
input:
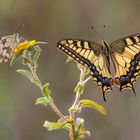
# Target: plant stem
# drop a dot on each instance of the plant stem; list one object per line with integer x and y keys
{"x": 72, "y": 110}
{"x": 76, "y": 101}
{"x": 40, "y": 85}
{"x": 73, "y": 135}
{"x": 57, "y": 111}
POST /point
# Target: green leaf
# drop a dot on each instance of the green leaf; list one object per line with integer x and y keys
{"x": 80, "y": 129}
{"x": 26, "y": 73}
{"x": 79, "y": 89}
{"x": 26, "y": 61}
{"x": 46, "y": 91}
{"x": 42, "y": 100}
{"x": 41, "y": 43}
{"x": 55, "y": 126}
{"x": 52, "y": 125}
{"x": 84, "y": 134}
{"x": 37, "y": 82}
{"x": 36, "y": 55}
{"x": 35, "y": 48}
{"x": 92, "y": 104}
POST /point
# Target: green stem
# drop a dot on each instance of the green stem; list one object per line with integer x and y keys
{"x": 73, "y": 135}
{"x": 40, "y": 85}
{"x": 72, "y": 110}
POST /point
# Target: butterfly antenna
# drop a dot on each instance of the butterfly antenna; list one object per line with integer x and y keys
{"x": 97, "y": 33}
{"x": 104, "y": 30}
{"x": 19, "y": 27}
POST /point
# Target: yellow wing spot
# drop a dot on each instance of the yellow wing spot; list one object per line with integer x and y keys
{"x": 124, "y": 87}
{"x": 85, "y": 64}
{"x": 86, "y": 53}
{"x": 94, "y": 79}
{"x": 136, "y": 38}
{"x": 137, "y": 46}
{"x": 96, "y": 63}
{"x": 129, "y": 85}
{"x": 117, "y": 73}
{"x": 74, "y": 48}
{"x": 78, "y": 50}
{"x": 94, "y": 58}
{"x": 71, "y": 45}
{"x": 77, "y": 58}
{"x": 116, "y": 67}
{"x": 59, "y": 46}
{"x": 132, "y": 79}
{"x": 82, "y": 52}
{"x": 134, "y": 49}
{"x": 63, "y": 42}
{"x": 120, "y": 60}
{"x": 65, "y": 50}
{"x": 127, "y": 59}
{"x": 136, "y": 74}
{"x": 81, "y": 62}
{"x": 129, "y": 41}
{"x": 73, "y": 55}
{"x": 129, "y": 52}
{"x": 101, "y": 62}
{"x": 107, "y": 73}
{"x": 99, "y": 84}
{"x": 138, "y": 67}
{"x": 79, "y": 44}
{"x": 121, "y": 70}
{"x": 69, "y": 53}
{"x": 127, "y": 66}
{"x": 91, "y": 55}
{"x": 104, "y": 88}
{"x": 70, "y": 41}
{"x": 86, "y": 45}
{"x": 127, "y": 55}
{"x": 103, "y": 73}
{"x": 67, "y": 44}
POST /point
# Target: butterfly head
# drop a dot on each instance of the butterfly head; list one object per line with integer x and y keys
{"x": 105, "y": 44}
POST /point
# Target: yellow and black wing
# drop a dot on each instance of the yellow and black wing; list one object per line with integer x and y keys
{"x": 91, "y": 55}
{"x": 7, "y": 44}
{"x": 125, "y": 54}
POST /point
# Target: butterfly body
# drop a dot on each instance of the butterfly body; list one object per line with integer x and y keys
{"x": 125, "y": 54}
{"x": 7, "y": 44}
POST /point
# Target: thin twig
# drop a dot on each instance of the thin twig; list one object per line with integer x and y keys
{"x": 40, "y": 85}
{"x": 81, "y": 82}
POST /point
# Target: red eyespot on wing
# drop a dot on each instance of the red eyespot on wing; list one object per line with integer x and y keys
{"x": 111, "y": 82}
{"x": 117, "y": 81}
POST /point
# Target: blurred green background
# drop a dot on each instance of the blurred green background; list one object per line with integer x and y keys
{"x": 52, "y": 20}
